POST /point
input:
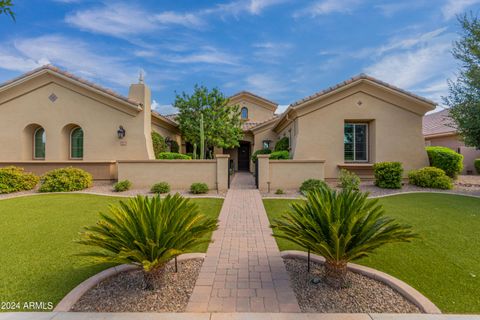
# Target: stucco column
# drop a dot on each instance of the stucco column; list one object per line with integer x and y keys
{"x": 222, "y": 171}
{"x": 263, "y": 172}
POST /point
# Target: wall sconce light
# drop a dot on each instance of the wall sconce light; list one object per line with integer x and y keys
{"x": 121, "y": 132}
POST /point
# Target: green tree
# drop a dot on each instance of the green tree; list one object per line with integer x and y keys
{"x": 148, "y": 232}
{"x": 341, "y": 227}
{"x": 464, "y": 92}
{"x": 159, "y": 144}
{"x": 221, "y": 122}
{"x": 6, "y": 8}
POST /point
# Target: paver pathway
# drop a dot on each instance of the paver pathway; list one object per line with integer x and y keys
{"x": 243, "y": 270}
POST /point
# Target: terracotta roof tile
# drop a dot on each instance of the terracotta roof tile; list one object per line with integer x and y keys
{"x": 438, "y": 123}
{"x": 73, "y": 77}
{"x": 254, "y": 95}
{"x": 249, "y": 125}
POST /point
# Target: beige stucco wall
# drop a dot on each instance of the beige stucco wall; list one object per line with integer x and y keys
{"x": 455, "y": 143}
{"x": 256, "y": 111}
{"x": 180, "y": 174}
{"x": 26, "y": 106}
{"x": 395, "y": 128}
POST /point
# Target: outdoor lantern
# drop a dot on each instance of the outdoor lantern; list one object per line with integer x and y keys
{"x": 121, "y": 132}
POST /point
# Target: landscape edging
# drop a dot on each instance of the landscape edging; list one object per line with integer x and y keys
{"x": 410, "y": 293}
{"x": 74, "y": 295}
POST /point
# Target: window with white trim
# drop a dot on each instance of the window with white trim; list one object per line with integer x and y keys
{"x": 355, "y": 142}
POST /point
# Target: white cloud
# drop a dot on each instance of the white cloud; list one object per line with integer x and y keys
{"x": 453, "y": 7}
{"x": 324, "y": 7}
{"x": 271, "y": 52}
{"x": 12, "y": 61}
{"x": 207, "y": 54}
{"x": 188, "y": 20}
{"x": 265, "y": 85}
{"x": 76, "y": 56}
{"x": 163, "y": 109}
{"x": 281, "y": 108}
{"x": 237, "y": 7}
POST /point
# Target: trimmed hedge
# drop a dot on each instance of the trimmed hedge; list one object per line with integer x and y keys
{"x": 161, "y": 187}
{"x": 261, "y": 151}
{"x": 198, "y": 188}
{"x": 430, "y": 177}
{"x": 476, "y": 163}
{"x": 312, "y": 184}
{"x": 66, "y": 179}
{"x": 13, "y": 179}
{"x": 173, "y": 156}
{"x": 445, "y": 159}
{"x": 121, "y": 186}
{"x": 388, "y": 175}
{"x": 349, "y": 180}
{"x": 174, "y": 147}
{"x": 282, "y": 144}
{"x": 280, "y": 155}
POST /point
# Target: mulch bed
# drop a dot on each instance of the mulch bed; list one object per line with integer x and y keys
{"x": 125, "y": 292}
{"x": 361, "y": 295}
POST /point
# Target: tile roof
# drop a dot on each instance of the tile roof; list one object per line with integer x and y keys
{"x": 249, "y": 125}
{"x": 69, "y": 75}
{"x": 253, "y": 95}
{"x": 361, "y": 76}
{"x": 165, "y": 118}
{"x": 438, "y": 123}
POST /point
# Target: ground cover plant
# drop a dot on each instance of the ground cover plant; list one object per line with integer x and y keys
{"x": 443, "y": 263}
{"x": 122, "y": 186}
{"x": 161, "y": 187}
{"x": 198, "y": 188}
{"x": 65, "y": 179}
{"x": 13, "y": 179}
{"x": 44, "y": 227}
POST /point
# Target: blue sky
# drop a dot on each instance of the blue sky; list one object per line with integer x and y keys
{"x": 282, "y": 50}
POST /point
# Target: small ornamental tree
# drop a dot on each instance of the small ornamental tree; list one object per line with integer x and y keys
{"x": 6, "y": 8}
{"x": 221, "y": 122}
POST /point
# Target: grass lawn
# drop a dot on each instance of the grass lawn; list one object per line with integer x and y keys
{"x": 444, "y": 264}
{"x": 36, "y": 237}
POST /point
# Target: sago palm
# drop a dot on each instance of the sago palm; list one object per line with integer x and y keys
{"x": 147, "y": 232}
{"x": 341, "y": 227}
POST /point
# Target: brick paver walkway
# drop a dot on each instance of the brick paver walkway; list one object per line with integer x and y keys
{"x": 243, "y": 270}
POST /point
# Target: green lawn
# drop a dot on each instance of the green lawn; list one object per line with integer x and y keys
{"x": 444, "y": 264}
{"x": 36, "y": 241}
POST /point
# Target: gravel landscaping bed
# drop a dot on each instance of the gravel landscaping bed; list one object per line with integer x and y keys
{"x": 361, "y": 295}
{"x": 125, "y": 291}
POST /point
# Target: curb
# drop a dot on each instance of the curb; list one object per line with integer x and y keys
{"x": 410, "y": 293}
{"x": 73, "y": 296}
{"x": 380, "y": 196}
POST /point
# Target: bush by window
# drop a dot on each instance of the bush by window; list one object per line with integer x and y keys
{"x": 161, "y": 187}
{"x": 65, "y": 179}
{"x": 159, "y": 145}
{"x": 174, "y": 147}
{"x": 282, "y": 144}
{"x": 312, "y": 184}
{"x": 13, "y": 179}
{"x": 430, "y": 177}
{"x": 198, "y": 188}
{"x": 280, "y": 155}
{"x": 388, "y": 175}
{"x": 349, "y": 180}
{"x": 445, "y": 159}
{"x": 121, "y": 186}
{"x": 173, "y": 156}
{"x": 261, "y": 151}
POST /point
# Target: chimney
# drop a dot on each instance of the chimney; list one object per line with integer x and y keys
{"x": 140, "y": 92}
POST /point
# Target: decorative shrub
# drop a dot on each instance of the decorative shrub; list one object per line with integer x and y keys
{"x": 159, "y": 144}
{"x": 261, "y": 151}
{"x": 349, "y": 180}
{"x": 198, "y": 188}
{"x": 430, "y": 177}
{"x": 173, "y": 156}
{"x": 147, "y": 232}
{"x": 279, "y": 191}
{"x": 174, "y": 147}
{"x": 161, "y": 187}
{"x": 13, "y": 179}
{"x": 312, "y": 184}
{"x": 282, "y": 144}
{"x": 280, "y": 155}
{"x": 476, "y": 163}
{"x": 445, "y": 159}
{"x": 388, "y": 175}
{"x": 121, "y": 186}
{"x": 65, "y": 179}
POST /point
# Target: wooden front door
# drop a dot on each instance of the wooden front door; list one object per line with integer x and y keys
{"x": 244, "y": 156}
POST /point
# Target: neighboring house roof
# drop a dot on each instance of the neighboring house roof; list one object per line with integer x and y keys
{"x": 438, "y": 123}
{"x": 253, "y": 125}
{"x": 271, "y": 104}
{"x": 166, "y": 119}
{"x": 55, "y": 70}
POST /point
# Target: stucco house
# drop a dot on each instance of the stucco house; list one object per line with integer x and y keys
{"x": 439, "y": 130}
{"x": 49, "y": 115}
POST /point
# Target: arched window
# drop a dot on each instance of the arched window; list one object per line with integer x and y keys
{"x": 76, "y": 143}
{"x": 244, "y": 113}
{"x": 39, "y": 140}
